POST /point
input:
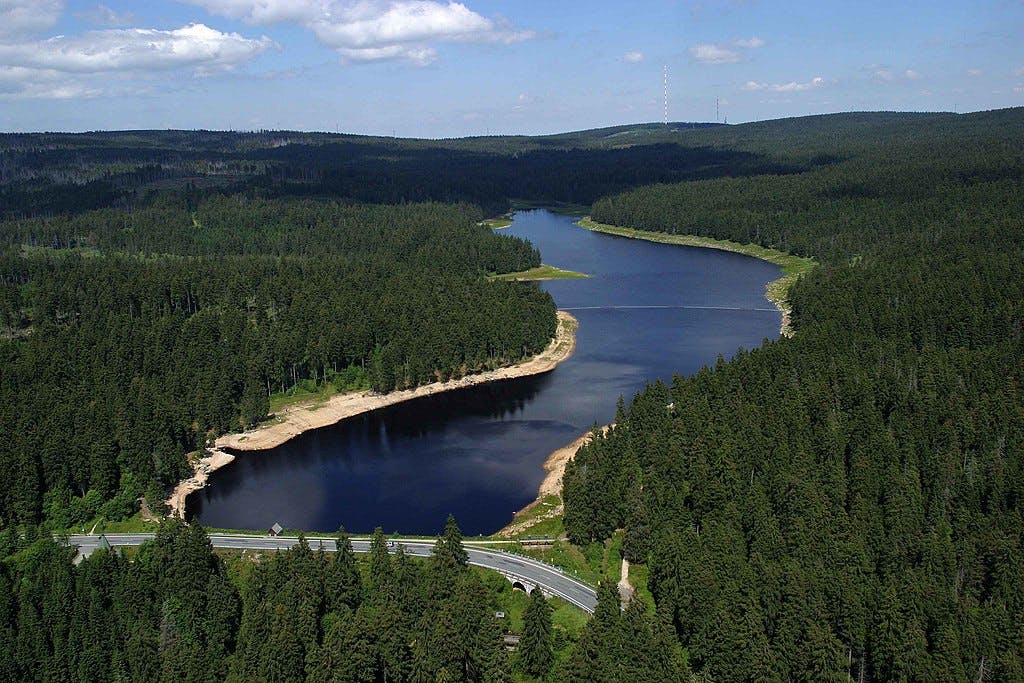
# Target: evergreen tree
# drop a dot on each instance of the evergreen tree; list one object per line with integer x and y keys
{"x": 535, "y": 647}
{"x": 449, "y": 555}
{"x": 254, "y": 403}
{"x": 380, "y": 564}
{"x": 341, "y": 581}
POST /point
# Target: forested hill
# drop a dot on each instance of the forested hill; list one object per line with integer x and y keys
{"x": 47, "y": 174}
{"x": 128, "y": 338}
{"x": 848, "y": 503}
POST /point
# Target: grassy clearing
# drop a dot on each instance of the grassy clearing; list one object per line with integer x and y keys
{"x": 613, "y": 557}
{"x": 497, "y": 223}
{"x": 581, "y": 562}
{"x": 777, "y": 291}
{"x": 349, "y": 380}
{"x": 592, "y": 563}
{"x": 543, "y": 517}
{"x": 133, "y": 525}
{"x": 299, "y": 394}
{"x": 541, "y": 272}
{"x": 639, "y": 577}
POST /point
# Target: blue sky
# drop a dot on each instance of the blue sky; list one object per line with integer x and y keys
{"x": 434, "y": 68}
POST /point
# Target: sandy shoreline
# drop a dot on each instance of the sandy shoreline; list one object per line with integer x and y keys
{"x": 550, "y": 486}
{"x": 213, "y": 461}
{"x": 299, "y": 418}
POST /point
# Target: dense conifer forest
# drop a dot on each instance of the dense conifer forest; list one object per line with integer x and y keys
{"x": 176, "y": 612}
{"x": 130, "y": 337}
{"x": 846, "y": 504}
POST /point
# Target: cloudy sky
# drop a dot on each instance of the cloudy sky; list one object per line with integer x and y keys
{"x": 435, "y": 68}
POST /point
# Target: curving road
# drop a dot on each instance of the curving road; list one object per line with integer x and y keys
{"x": 550, "y": 579}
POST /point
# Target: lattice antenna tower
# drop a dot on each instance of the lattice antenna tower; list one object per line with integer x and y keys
{"x": 666, "y": 94}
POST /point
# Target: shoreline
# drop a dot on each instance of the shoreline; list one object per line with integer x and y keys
{"x": 303, "y": 417}
{"x": 776, "y": 291}
{"x": 551, "y": 485}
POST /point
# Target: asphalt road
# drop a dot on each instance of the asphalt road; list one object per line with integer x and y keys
{"x": 552, "y": 580}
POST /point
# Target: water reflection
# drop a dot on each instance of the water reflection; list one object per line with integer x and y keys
{"x": 477, "y": 452}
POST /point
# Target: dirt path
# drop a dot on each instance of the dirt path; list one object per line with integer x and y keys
{"x": 300, "y": 418}
{"x": 625, "y": 589}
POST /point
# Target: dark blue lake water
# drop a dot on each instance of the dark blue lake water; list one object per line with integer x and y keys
{"x": 478, "y": 452}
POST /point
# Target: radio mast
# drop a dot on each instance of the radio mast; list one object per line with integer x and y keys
{"x": 666, "y": 94}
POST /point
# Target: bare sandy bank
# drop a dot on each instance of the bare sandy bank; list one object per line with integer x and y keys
{"x": 299, "y": 418}
{"x": 550, "y": 486}
{"x": 212, "y": 461}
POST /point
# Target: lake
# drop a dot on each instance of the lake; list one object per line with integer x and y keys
{"x": 647, "y": 311}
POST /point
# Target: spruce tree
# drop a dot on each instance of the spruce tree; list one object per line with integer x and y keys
{"x": 342, "y": 584}
{"x": 448, "y": 551}
{"x": 536, "y": 653}
{"x": 380, "y": 565}
{"x": 636, "y": 545}
{"x": 254, "y": 404}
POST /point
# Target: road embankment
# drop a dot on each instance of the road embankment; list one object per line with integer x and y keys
{"x": 303, "y": 417}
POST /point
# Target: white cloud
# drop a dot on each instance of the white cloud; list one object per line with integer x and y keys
{"x": 633, "y": 57}
{"x": 792, "y": 86}
{"x": 1018, "y": 88}
{"x": 21, "y": 18}
{"x": 53, "y": 91}
{"x": 18, "y": 82}
{"x": 195, "y": 45}
{"x": 749, "y": 43}
{"x": 974, "y": 73}
{"x": 709, "y": 53}
{"x": 267, "y": 11}
{"x": 101, "y": 15}
{"x": 420, "y": 56}
{"x": 376, "y": 30}
{"x": 886, "y": 73}
{"x": 714, "y": 54}
{"x": 1020, "y": 71}
{"x": 82, "y": 66}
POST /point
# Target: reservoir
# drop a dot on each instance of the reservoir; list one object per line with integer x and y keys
{"x": 647, "y": 311}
